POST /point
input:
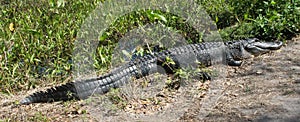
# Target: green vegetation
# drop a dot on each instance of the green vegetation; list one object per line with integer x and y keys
{"x": 36, "y": 37}
{"x": 264, "y": 19}
{"x": 36, "y": 41}
{"x": 38, "y": 116}
{"x": 117, "y": 98}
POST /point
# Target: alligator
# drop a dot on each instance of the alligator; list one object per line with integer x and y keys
{"x": 231, "y": 53}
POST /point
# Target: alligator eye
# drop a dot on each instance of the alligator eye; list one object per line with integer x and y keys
{"x": 255, "y": 39}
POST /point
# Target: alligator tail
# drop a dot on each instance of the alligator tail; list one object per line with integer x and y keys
{"x": 60, "y": 93}
{"x": 81, "y": 89}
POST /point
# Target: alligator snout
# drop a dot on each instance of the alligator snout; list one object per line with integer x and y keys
{"x": 268, "y": 45}
{"x": 257, "y": 47}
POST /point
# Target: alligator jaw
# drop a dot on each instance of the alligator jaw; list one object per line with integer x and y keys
{"x": 268, "y": 45}
{"x": 256, "y": 48}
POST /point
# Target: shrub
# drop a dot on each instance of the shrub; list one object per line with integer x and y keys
{"x": 265, "y": 19}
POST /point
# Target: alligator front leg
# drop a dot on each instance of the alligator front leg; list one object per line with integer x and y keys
{"x": 231, "y": 61}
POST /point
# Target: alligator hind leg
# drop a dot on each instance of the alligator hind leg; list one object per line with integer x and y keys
{"x": 204, "y": 76}
{"x": 176, "y": 82}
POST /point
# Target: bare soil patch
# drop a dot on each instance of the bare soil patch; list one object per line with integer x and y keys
{"x": 265, "y": 88}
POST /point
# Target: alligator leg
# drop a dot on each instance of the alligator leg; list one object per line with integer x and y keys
{"x": 204, "y": 76}
{"x": 231, "y": 61}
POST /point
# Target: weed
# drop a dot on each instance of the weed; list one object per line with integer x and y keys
{"x": 115, "y": 96}
{"x": 38, "y": 116}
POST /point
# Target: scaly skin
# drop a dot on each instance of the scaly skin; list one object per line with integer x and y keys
{"x": 209, "y": 53}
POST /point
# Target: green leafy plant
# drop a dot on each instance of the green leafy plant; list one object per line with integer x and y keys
{"x": 265, "y": 19}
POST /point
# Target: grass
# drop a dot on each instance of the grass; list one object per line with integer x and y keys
{"x": 36, "y": 41}
{"x": 37, "y": 37}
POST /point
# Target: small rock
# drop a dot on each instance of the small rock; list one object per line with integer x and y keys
{"x": 295, "y": 68}
{"x": 259, "y": 72}
{"x": 297, "y": 81}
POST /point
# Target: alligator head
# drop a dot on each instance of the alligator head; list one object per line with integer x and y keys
{"x": 244, "y": 49}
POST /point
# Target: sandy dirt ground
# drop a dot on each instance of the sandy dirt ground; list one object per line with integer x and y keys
{"x": 264, "y": 88}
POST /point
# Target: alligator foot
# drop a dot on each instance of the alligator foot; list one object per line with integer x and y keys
{"x": 234, "y": 63}
{"x": 204, "y": 76}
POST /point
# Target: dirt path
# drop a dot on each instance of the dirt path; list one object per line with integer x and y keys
{"x": 265, "y": 88}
